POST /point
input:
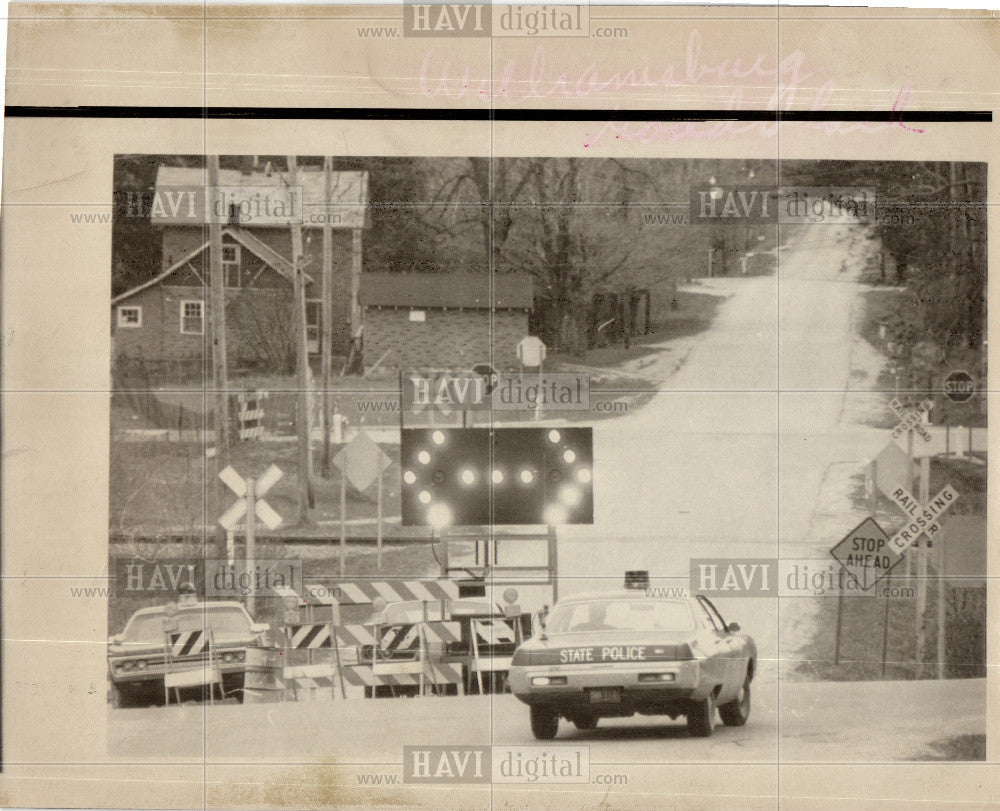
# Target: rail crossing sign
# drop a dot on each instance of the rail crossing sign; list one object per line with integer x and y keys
{"x": 231, "y": 517}
{"x": 361, "y": 461}
{"x": 866, "y": 554}
{"x": 910, "y": 418}
{"x": 923, "y": 518}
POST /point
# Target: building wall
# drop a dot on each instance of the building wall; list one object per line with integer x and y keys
{"x": 179, "y": 241}
{"x": 159, "y": 338}
{"x": 447, "y": 339}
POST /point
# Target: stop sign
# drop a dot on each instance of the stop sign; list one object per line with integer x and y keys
{"x": 959, "y": 386}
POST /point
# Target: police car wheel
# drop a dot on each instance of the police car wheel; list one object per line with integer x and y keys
{"x": 585, "y": 722}
{"x": 701, "y": 718}
{"x": 737, "y": 711}
{"x": 544, "y": 723}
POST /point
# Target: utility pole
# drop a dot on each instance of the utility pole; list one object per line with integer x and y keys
{"x": 922, "y": 551}
{"x": 217, "y": 321}
{"x": 302, "y": 362}
{"x": 356, "y": 248}
{"x": 326, "y": 315}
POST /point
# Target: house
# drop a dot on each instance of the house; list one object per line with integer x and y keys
{"x": 164, "y": 320}
{"x": 444, "y": 320}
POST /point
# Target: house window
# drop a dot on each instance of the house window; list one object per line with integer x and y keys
{"x": 130, "y": 316}
{"x": 192, "y": 317}
{"x": 314, "y": 325}
{"x": 231, "y": 265}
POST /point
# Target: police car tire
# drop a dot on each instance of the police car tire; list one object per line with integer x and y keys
{"x": 544, "y": 723}
{"x": 701, "y": 718}
{"x": 585, "y": 722}
{"x": 737, "y": 711}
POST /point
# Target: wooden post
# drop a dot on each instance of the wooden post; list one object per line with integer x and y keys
{"x": 340, "y": 668}
{"x": 343, "y": 520}
{"x": 251, "y": 545}
{"x": 302, "y": 364}
{"x": 356, "y": 262}
{"x": 554, "y": 563}
{"x": 942, "y": 596}
{"x": 921, "y": 547}
{"x": 885, "y": 624}
{"x": 836, "y": 633}
{"x": 910, "y": 475}
{"x": 326, "y": 316}
{"x": 217, "y": 320}
{"x": 378, "y": 526}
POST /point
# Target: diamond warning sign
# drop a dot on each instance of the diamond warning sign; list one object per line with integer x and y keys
{"x": 865, "y": 553}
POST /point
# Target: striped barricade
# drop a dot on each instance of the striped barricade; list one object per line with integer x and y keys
{"x": 181, "y": 670}
{"x": 250, "y": 414}
{"x": 309, "y": 637}
{"x": 362, "y": 592}
{"x": 436, "y": 673}
{"x": 313, "y": 680}
{"x": 187, "y": 643}
{"x": 493, "y": 641}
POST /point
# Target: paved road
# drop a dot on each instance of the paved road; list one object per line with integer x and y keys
{"x": 836, "y": 721}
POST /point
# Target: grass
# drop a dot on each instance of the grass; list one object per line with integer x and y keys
{"x": 694, "y": 314}
{"x": 865, "y": 619}
{"x": 160, "y": 487}
{"x": 960, "y": 747}
{"x": 881, "y": 306}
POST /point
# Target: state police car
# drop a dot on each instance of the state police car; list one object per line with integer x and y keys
{"x": 616, "y": 654}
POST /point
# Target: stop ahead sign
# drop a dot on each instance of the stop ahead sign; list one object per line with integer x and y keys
{"x": 865, "y": 554}
{"x": 959, "y": 386}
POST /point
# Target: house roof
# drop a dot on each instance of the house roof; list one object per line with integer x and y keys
{"x": 266, "y": 199}
{"x": 264, "y": 251}
{"x": 511, "y": 291}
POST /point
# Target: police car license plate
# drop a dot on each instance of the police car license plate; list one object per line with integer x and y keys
{"x": 605, "y": 695}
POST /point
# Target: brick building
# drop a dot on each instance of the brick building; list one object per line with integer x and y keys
{"x": 444, "y": 320}
{"x": 165, "y": 319}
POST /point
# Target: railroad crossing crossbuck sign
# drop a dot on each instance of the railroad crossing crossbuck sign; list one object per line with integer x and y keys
{"x": 231, "y": 517}
{"x": 910, "y": 418}
{"x": 923, "y": 519}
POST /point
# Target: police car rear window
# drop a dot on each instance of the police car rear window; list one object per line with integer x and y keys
{"x": 620, "y": 615}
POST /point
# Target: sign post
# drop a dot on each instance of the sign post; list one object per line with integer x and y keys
{"x": 531, "y": 353}
{"x": 942, "y": 594}
{"x": 361, "y": 462}
{"x": 921, "y": 544}
{"x": 250, "y": 503}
